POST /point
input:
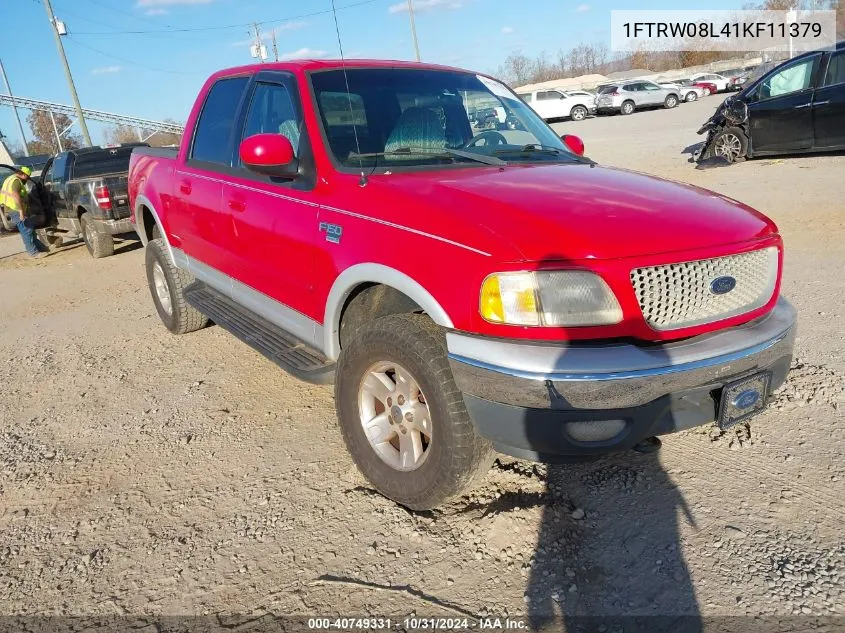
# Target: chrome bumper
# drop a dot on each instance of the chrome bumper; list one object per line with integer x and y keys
{"x": 617, "y": 375}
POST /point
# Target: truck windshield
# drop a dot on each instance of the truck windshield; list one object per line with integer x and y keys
{"x": 108, "y": 161}
{"x": 401, "y": 117}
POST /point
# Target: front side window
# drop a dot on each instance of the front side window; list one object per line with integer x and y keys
{"x": 413, "y": 117}
{"x": 793, "y": 78}
{"x": 58, "y": 168}
{"x": 272, "y": 111}
{"x": 214, "y": 128}
{"x": 548, "y": 95}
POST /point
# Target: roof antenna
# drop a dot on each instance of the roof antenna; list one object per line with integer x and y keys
{"x": 363, "y": 180}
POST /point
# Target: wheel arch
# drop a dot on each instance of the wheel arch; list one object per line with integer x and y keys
{"x": 360, "y": 277}
{"x": 146, "y": 217}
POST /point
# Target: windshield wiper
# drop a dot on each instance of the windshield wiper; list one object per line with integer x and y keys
{"x": 537, "y": 148}
{"x": 445, "y": 152}
{"x": 531, "y": 148}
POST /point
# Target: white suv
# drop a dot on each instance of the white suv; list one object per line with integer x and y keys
{"x": 631, "y": 95}
{"x": 560, "y": 104}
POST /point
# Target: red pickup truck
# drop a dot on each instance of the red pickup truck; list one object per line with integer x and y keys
{"x": 467, "y": 290}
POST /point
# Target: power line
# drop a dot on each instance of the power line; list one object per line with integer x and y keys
{"x": 133, "y": 63}
{"x": 127, "y": 13}
{"x": 228, "y": 26}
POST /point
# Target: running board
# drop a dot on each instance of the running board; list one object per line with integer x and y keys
{"x": 288, "y": 352}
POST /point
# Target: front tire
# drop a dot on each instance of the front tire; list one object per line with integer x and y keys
{"x": 167, "y": 286}
{"x": 578, "y": 113}
{"x": 402, "y": 416}
{"x": 691, "y": 96}
{"x": 731, "y": 144}
{"x": 98, "y": 244}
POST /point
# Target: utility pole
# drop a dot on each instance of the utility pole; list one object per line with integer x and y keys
{"x": 258, "y": 49}
{"x": 275, "y": 48}
{"x": 70, "y": 83}
{"x": 15, "y": 108}
{"x": 413, "y": 28}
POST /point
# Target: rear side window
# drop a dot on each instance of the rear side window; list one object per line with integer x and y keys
{"x": 606, "y": 90}
{"x": 524, "y": 96}
{"x": 549, "y": 95}
{"x": 835, "y": 70}
{"x": 214, "y": 128}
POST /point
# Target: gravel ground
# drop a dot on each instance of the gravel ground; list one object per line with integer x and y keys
{"x": 148, "y": 474}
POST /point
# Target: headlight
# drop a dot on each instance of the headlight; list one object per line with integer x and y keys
{"x": 567, "y": 298}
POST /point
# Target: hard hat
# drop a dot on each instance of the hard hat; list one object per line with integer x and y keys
{"x": 26, "y": 170}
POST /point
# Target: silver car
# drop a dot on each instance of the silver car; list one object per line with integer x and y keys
{"x": 628, "y": 96}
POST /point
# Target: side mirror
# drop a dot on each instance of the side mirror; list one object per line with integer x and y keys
{"x": 269, "y": 154}
{"x": 574, "y": 143}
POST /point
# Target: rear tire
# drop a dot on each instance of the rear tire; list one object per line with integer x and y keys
{"x": 578, "y": 113}
{"x": 167, "y": 286}
{"x": 385, "y": 359}
{"x": 98, "y": 244}
{"x": 627, "y": 107}
{"x": 670, "y": 102}
{"x": 691, "y": 96}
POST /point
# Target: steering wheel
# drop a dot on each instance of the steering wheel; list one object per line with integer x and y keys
{"x": 490, "y": 137}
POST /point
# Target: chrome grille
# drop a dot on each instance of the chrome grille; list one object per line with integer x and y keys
{"x": 676, "y": 296}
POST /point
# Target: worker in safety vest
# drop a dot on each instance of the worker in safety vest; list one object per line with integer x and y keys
{"x": 14, "y": 197}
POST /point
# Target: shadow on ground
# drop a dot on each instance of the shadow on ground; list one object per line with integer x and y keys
{"x": 615, "y": 561}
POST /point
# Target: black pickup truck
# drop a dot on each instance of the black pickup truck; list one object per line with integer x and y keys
{"x": 83, "y": 193}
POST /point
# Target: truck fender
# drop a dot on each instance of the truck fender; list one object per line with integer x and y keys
{"x": 140, "y": 202}
{"x": 379, "y": 274}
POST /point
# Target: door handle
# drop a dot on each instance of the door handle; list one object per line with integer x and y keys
{"x": 806, "y": 105}
{"x": 237, "y": 205}
{"x": 818, "y": 103}
{"x": 185, "y": 187}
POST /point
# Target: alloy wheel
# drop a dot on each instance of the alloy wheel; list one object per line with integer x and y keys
{"x": 161, "y": 288}
{"x": 395, "y": 417}
{"x": 728, "y": 146}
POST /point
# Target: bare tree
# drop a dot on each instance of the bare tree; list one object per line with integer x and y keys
{"x": 518, "y": 69}
{"x": 44, "y": 137}
{"x": 127, "y": 134}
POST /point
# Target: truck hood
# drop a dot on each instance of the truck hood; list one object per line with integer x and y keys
{"x": 575, "y": 211}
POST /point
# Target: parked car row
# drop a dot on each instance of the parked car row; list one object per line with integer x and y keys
{"x": 627, "y": 96}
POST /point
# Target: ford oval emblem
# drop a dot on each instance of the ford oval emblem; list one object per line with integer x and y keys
{"x": 722, "y": 285}
{"x": 746, "y": 399}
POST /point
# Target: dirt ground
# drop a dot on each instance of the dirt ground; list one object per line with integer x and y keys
{"x": 144, "y": 473}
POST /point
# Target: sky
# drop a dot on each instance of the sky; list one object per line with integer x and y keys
{"x": 130, "y": 56}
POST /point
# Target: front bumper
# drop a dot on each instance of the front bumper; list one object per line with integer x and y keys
{"x": 523, "y": 396}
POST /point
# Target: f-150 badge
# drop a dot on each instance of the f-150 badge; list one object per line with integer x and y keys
{"x": 333, "y": 232}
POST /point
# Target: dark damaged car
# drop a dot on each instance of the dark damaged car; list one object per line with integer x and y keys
{"x": 796, "y": 107}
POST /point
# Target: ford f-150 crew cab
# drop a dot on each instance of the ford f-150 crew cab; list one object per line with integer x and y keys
{"x": 466, "y": 290}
